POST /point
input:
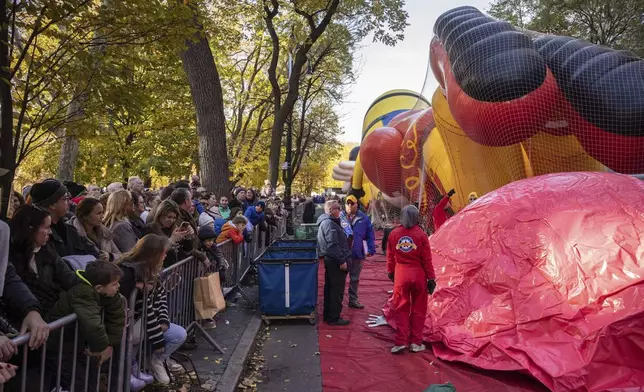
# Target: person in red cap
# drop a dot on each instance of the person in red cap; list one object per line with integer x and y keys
{"x": 409, "y": 266}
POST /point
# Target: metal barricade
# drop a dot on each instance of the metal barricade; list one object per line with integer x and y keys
{"x": 178, "y": 280}
{"x": 56, "y": 358}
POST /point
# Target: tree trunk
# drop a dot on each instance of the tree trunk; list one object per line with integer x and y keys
{"x": 69, "y": 150}
{"x": 7, "y": 146}
{"x": 205, "y": 87}
{"x": 275, "y": 149}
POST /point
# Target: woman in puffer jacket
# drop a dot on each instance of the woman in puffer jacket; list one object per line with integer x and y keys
{"x": 88, "y": 223}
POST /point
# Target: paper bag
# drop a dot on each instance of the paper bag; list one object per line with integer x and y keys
{"x": 208, "y": 297}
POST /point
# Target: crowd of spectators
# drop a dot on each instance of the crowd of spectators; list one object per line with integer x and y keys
{"x": 67, "y": 248}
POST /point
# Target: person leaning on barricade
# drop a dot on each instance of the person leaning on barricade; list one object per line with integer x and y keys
{"x": 19, "y": 306}
{"x": 101, "y": 319}
{"x": 207, "y": 236}
{"x": 233, "y": 230}
{"x": 216, "y": 258}
{"x": 141, "y": 267}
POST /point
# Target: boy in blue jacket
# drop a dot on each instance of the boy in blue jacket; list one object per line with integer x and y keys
{"x": 363, "y": 245}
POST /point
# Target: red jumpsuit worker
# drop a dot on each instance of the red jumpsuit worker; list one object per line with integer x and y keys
{"x": 409, "y": 266}
{"x": 438, "y": 214}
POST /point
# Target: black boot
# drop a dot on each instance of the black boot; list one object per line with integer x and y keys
{"x": 190, "y": 343}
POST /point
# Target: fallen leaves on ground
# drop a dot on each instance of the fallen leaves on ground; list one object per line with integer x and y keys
{"x": 255, "y": 364}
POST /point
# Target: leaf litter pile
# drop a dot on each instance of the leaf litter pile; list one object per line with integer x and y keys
{"x": 255, "y": 364}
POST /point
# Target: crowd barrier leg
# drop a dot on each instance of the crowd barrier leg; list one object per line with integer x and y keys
{"x": 180, "y": 299}
{"x": 196, "y": 325}
{"x": 239, "y": 264}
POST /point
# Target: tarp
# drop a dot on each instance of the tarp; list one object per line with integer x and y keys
{"x": 546, "y": 276}
{"x": 356, "y": 358}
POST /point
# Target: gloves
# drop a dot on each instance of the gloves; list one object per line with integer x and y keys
{"x": 450, "y": 193}
{"x": 431, "y": 286}
{"x": 391, "y": 276}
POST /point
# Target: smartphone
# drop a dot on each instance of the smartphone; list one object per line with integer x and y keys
{"x": 185, "y": 225}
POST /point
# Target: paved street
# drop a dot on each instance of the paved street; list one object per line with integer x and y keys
{"x": 292, "y": 360}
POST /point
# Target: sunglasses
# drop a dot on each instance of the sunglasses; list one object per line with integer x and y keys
{"x": 350, "y": 203}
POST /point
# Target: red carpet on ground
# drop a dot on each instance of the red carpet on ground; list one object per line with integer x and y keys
{"x": 356, "y": 358}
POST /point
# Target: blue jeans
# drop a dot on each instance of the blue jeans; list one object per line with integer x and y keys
{"x": 174, "y": 338}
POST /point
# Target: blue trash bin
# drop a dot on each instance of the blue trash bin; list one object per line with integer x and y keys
{"x": 295, "y": 244}
{"x": 288, "y": 283}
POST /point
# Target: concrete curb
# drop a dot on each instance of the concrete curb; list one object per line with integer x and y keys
{"x": 229, "y": 380}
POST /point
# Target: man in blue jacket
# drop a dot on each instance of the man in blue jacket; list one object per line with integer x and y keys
{"x": 363, "y": 245}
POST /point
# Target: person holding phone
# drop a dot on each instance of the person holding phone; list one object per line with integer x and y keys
{"x": 165, "y": 223}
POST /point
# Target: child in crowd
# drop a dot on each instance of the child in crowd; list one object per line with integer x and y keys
{"x": 233, "y": 230}
{"x": 141, "y": 267}
{"x": 95, "y": 296}
{"x": 207, "y": 236}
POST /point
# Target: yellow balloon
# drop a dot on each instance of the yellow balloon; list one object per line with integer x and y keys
{"x": 380, "y": 113}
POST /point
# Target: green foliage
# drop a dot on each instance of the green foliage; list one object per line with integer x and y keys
{"x": 109, "y": 73}
{"x": 312, "y": 175}
{"x": 613, "y": 23}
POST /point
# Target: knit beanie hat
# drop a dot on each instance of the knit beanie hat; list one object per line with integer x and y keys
{"x": 74, "y": 189}
{"x": 262, "y": 204}
{"x": 47, "y": 192}
{"x": 207, "y": 233}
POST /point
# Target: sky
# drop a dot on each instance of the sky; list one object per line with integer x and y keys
{"x": 404, "y": 66}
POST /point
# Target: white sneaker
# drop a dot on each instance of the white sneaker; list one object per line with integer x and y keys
{"x": 173, "y": 366}
{"x": 159, "y": 372}
{"x": 416, "y": 348}
{"x": 397, "y": 349}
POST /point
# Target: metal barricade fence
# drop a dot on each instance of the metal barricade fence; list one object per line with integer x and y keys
{"x": 53, "y": 369}
{"x": 178, "y": 281}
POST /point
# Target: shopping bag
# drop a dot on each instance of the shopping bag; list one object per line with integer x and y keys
{"x": 208, "y": 297}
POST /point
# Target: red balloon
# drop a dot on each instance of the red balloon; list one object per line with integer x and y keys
{"x": 380, "y": 159}
{"x": 546, "y": 276}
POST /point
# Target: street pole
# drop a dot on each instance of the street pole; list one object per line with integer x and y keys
{"x": 288, "y": 173}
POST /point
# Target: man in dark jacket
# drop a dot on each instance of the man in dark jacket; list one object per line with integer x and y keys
{"x": 52, "y": 196}
{"x": 334, "y": 248}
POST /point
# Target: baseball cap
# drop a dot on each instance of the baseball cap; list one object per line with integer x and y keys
{"x": 352, "y": 199}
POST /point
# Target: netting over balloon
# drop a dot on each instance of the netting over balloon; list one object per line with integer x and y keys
{"x": 512, "y": 104}
{"x": 541, "y": 268}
